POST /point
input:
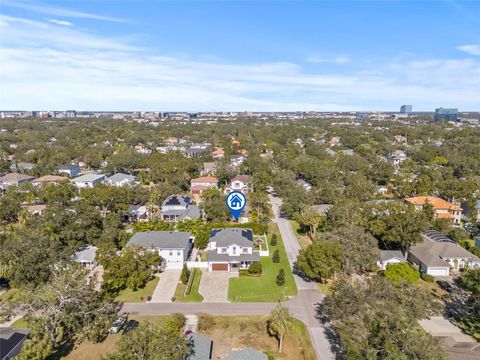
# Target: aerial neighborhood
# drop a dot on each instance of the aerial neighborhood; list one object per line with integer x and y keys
{"x": 133, "y": 221}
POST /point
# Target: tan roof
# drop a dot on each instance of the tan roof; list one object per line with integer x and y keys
{"x": 218, "y": 151}
{"x": 34, "y": 208}
{"x": 210, "y": 179}
{"x": 15, "y": 177}
{"x": 242, "y": 178}
{"x": 436, "y": 202}
{"x": 50, "y": 178}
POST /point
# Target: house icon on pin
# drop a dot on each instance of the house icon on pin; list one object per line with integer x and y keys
{"x": 235, "y": 202}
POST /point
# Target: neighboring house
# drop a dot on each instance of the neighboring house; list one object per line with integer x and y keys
{"x": 397, "y": 157}
{"x": 202, "y": 183}
{"x": 201, "y": 345}
{"x": 11, "y": 342}
{"x": 237, "y": 160}
{"x": 88, "y": 180}
{"x": 137, "y": 213}
{"x": 86, "y": 257}
{"x": 49, "y": 179}
{"x": 177, "y": 207}
{"x": 208, "y": 168}
{"x": 172, "y": 246}
{"x": 192, "y": 152}
{"x": 437, "y": 254}
{"x": 443, "y": 209}
{"x": 218, "y": 153}
{"x": 240, "y": 183}
{"x": 120, "y": 179}
{"x": 69, "y": 170}
{"x": 247, "y": 354}
{"x": 231, "y": 249}
{"x": 22, "y": 167}
{"x": 390, "y": 257}
{"x": 14, "y": 179}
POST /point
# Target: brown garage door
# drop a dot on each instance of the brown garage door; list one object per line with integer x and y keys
{"x": 219, "y": 267}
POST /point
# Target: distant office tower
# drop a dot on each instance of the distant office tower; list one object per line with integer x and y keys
{"x": 442, "y": 114}
{"x": 406, "y": 109}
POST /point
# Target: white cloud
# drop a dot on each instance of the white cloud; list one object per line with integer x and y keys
{"x": 56, "y": 11}
{"x": 471, "y": 49}
{"x": 341, "y": 59}
{"x": 45, "y": 66}
{"x": 60, "y": 22}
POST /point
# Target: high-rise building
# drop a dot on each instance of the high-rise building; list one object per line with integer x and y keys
{"x": 406, "y": 109}
{"x": 442, "y": 114}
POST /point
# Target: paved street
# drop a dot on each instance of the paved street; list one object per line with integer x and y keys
{"x": 290, "y": 242}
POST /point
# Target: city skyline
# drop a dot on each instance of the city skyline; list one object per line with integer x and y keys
{"x": 205, "y": 56}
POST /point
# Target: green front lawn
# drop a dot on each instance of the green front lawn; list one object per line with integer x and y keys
{"x": 264, "y": 288}
{"x": 194, "y": 295}
{"x": 128, "y": 295}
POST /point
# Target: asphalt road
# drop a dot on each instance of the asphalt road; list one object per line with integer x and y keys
{"x": 303, "y": 306}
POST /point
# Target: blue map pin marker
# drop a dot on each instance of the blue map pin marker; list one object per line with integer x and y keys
{"x": 236, "y": 201}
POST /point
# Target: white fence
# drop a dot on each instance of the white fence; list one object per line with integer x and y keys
{"x": 197, "y": 264}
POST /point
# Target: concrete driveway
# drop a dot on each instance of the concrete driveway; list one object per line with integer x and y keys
{"x": 438, "y": 326}
{"x": 166, "y": 286}
{"x": 214, "y": 285}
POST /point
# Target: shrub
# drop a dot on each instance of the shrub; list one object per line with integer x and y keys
{"x": 176, "y": 322}
{"x": 273, "y": 241}
{"x": 185, "y": 275}
{"x": 205, "y": 322}
{"x": 428, "y": 278}
{"x": 255, "y": 268}
{"x": 281, "y": 278}
{"x": 401, "y": 271}
{"x": 276, "y": 257}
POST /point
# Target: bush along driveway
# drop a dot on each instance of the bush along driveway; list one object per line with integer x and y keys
{"x": 264, "y": 288}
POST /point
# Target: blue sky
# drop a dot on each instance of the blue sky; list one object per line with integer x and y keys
{"x": 271, "y": 56}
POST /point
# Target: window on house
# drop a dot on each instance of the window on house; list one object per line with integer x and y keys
{"x": 170, "y": 252}
{"x": 245, "y": 250}
{"x": 224, "y": 250}
{"x": 234, "y": 250}
{"x": 178, "y": 253}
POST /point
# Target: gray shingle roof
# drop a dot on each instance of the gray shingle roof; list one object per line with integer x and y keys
{"x": 89, "y": 178}
{"x": 86, "y": 254}
{"x": 389, "y": 254}
{"x": 120, "y": 177}
{"x": 10, "y": 338}
{"x": 247, "y": 354}
{"x": 431, "y": 252}
{"x": 160, "y": 239}
{"x": 212, "y": 255}
{"x": 201, "y": 346}
{"x": 228, "y": 236}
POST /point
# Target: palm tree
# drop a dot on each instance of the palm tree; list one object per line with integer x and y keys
{"x": 281, "y": 321}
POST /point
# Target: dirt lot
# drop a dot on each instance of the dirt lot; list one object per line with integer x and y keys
{"x": 235, "y": 333}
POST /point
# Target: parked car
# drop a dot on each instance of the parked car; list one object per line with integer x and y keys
{"x": 131, "y": 324}
{"x": 4, "y": 283}
{"x": 445, "y": 285}
{"x": 118, "y": 325}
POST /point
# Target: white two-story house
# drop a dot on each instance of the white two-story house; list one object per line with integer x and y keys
{"x": 173, "y": 246}
{"x": 231, "y": 249}
{"x": 240, "y": 183}
{"x": 177, "y": 207}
